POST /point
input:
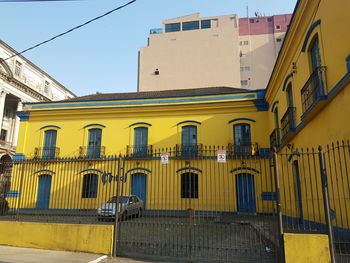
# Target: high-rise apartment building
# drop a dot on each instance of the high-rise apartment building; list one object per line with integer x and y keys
{"x": 227, "y": 51}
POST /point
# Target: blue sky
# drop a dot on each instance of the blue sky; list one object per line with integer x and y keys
{"x": 103, "y": 55}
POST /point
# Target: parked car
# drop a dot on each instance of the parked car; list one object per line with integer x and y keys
{"x": 129, "y": 205}
{"x": 4, "y": 206}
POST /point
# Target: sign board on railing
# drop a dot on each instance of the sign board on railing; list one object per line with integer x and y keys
{"x": 164, "y": 158}
{"x": 221, "y": 156}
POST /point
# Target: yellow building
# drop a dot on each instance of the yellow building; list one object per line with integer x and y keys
{"x": 309, "y": 96}
{"x": 306, "y": 104}
{"x": 190, "y": 125}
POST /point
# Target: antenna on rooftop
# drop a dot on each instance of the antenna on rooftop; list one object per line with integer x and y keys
{"x": 257, "y": 13}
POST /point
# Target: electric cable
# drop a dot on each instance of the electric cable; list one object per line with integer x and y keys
{"x": 70, "y": 30}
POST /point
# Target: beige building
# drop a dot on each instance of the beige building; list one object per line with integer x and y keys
{"x": 226, "y": 51}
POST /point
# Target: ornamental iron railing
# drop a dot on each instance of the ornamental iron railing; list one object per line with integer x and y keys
{"x": 288, "y": 121}
{"x": 46, "y": 152}
{"x": 313, "y": 89}
{"x": 138, "y": 150}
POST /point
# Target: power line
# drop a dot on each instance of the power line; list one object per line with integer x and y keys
{"x": 70, "y": 30}
{"x": 34, "y": 0}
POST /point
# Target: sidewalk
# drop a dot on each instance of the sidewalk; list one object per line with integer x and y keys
{"x": 127, "y": 260}
{"x": 31, "y": 255}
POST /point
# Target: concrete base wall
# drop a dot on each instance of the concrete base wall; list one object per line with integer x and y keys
{"x": 302, "y": 248}
{"x": 73, "y": 237}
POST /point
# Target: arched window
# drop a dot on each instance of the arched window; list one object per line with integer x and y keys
{"x": 90, "y": 185}
{"x": 289, "y": 90}
{"x": 189, "y": 185}
{"x": 189, "y": 140}
{"x": 242, "y": 138}
{"x": 140, "y": 141}
{"x": 315, "y": 55}
{"x": 49, "y": 149}
{"x": 94, "y": 143}
{"x": 316, "y": 68}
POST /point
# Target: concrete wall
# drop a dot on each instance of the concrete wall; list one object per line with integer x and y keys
{"x": 86, "y": 238}
{"x": 211, "y": 57}
{"x": 192, "y": 59}
{"x": 310, "y": 248}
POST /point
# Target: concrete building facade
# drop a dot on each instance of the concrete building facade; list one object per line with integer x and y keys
{"x": 226, "y": 51}
{"x": 20, "y": 81}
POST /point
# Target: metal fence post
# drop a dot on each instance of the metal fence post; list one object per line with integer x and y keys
{"x": 325, "y": 194}
{"x": 116, "y": 220}
{"x": 279, "y": 209}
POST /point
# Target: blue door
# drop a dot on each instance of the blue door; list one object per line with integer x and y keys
{"x": 245, "y": 193}
{"x": 44, "y": 189}
{"x": 139, "y": 186}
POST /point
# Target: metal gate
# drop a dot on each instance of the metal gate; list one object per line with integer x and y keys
{"x": 315, "y": 196}
{"x": 191, "y": 206}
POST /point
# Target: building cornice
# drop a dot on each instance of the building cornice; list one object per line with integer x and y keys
{"x": 243, "y": 106}
{"x": 11, "y": 50}
{"x": 22, "y": 87}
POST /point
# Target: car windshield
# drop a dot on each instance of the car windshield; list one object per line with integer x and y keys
{"x": 122, "y": 199}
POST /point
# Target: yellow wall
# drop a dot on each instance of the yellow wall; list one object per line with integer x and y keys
{"x": 87, "y": 238}
{"x": 327, "y": 123}
{"x": 164, "y": 132}
{"x": 216, "y": 184}
{"x": 310, "y": 248}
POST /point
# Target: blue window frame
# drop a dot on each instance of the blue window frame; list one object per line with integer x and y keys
{"x": 193, "y": 25}
{"x": 189, "y": 140}
{"x": 173, "y": 27}
{"x": 140, "y": 141}
{"x": 94, "y": 143}
{"x": 242, "y": 138}
{"x": 90, "y": 186}
{"x": 315, "y": 57}
{"x": 205, "y": 24}
{"x": 49, "y": 148}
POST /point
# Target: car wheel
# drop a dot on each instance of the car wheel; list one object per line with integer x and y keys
{"x": 139, "y": 213}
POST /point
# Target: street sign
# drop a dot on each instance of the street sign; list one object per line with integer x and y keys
{"x": 221, "y": 156}
{"x": 165, "y": 158}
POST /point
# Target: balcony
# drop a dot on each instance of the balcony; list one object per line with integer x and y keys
{"x": 46, "y": 153}
{"x": 92, "y": 152}
{"x": 313, "y": 90}
{"x": 288, "y": 122}
{"x": 243, "y": 150}
{"x": 139, "y": 151}
{"x": 156, "y": 31}
{"x": 188, "y": 151}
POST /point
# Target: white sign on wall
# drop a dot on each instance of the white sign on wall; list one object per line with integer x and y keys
{"x": 164, "y": 158}
{"x": 222, "y": 156}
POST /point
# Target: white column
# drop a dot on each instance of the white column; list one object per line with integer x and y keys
{"x": 2, "y": 106}
{"x": 16, "y": 125}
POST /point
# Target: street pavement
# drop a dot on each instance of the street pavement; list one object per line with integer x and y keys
{"x": 30, "y": 255}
